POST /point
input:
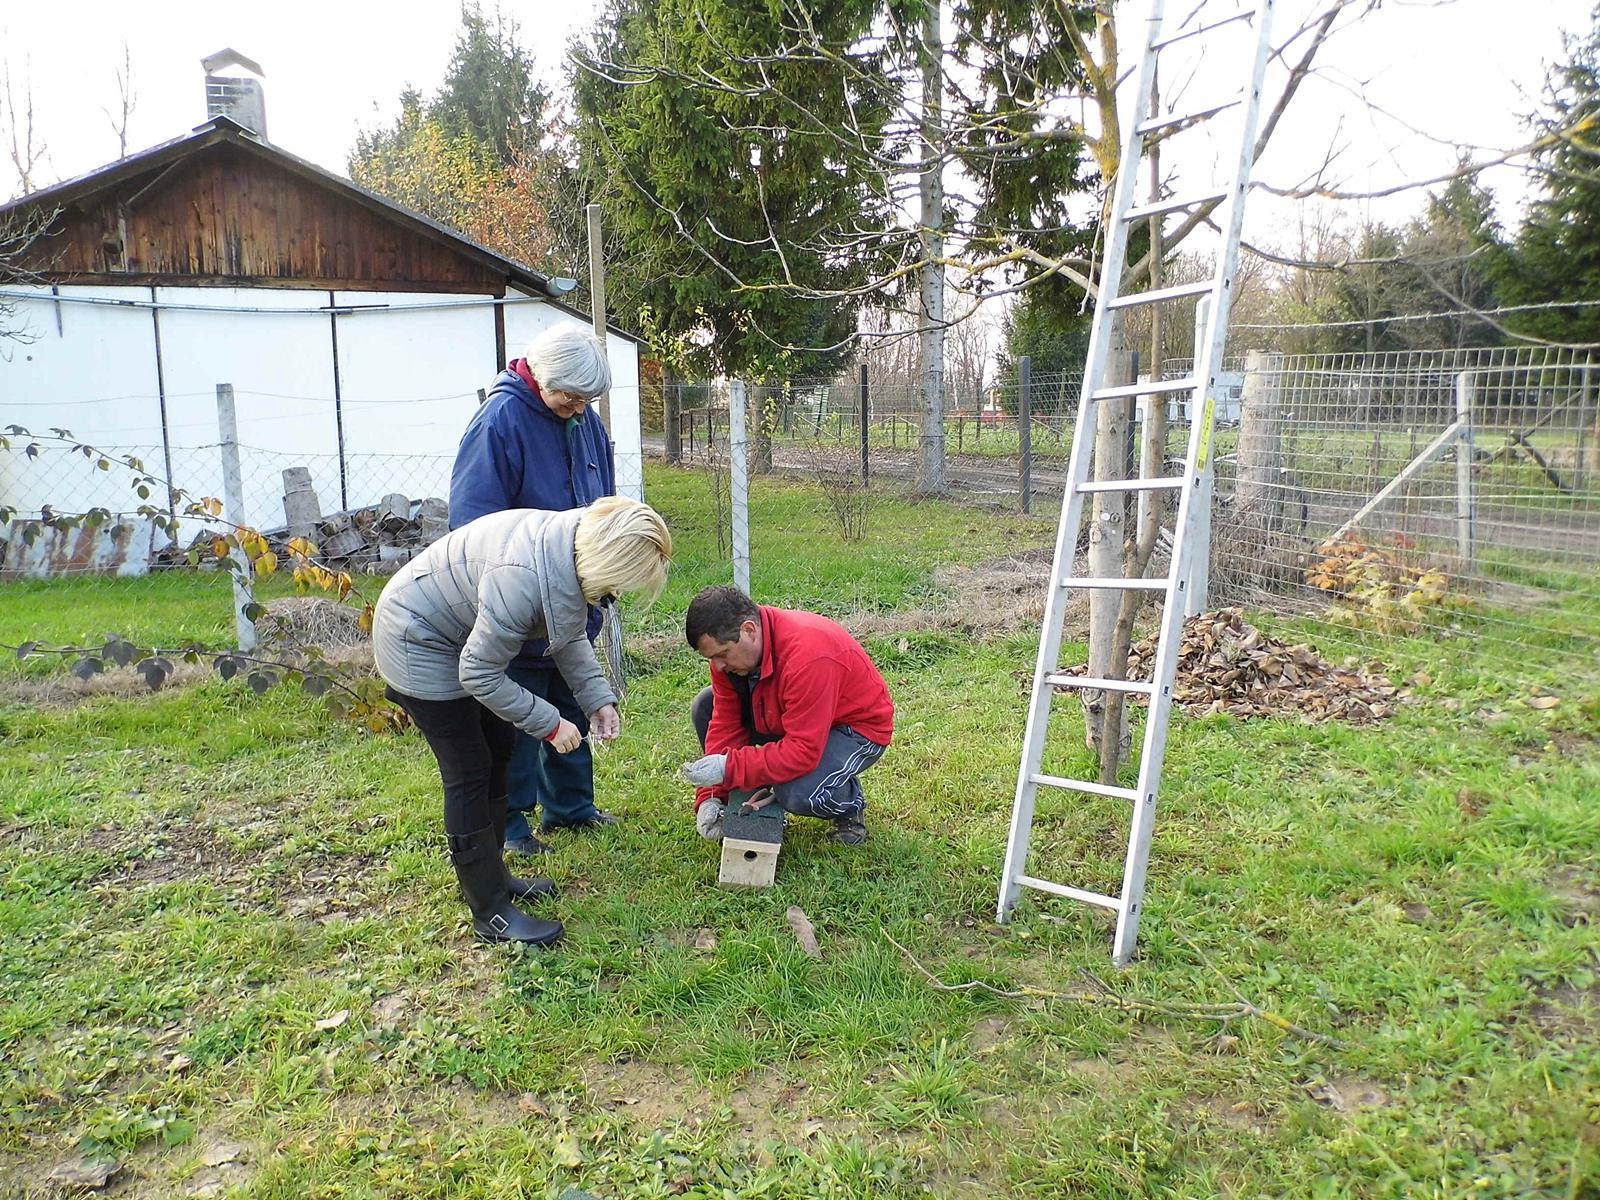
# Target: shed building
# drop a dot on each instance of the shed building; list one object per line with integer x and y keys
{"x": 355, "y": 333}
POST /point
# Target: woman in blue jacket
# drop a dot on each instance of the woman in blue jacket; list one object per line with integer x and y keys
{"x": 537, "y": 443}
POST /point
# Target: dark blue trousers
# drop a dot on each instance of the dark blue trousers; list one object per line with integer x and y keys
{"x": 537, "y": 777}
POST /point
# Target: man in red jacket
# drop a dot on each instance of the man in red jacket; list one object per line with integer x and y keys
{"x": 795, "y": 708}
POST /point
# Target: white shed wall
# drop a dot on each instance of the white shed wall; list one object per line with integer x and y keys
{"x": 94, "y": 374}
{"x": 408, "y": 384}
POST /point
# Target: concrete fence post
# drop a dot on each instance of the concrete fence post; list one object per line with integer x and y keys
{"x": 233, "y": 501}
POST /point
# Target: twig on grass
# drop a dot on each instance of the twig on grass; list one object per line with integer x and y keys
{"x": 1107, "y": 998}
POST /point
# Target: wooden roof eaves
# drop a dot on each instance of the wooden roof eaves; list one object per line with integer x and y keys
{"x": 225, "y": 129}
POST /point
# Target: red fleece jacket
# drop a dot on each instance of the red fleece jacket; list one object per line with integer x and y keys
{"x": 814, "y": 677}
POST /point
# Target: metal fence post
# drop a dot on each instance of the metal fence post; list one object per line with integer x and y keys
{"x": 866, "y": 417}
{"x": 1025, "y": 430}
{"x": 233, "y": 496}
{"x": 1464, "y": 453}
{"x": 738, "y": 486}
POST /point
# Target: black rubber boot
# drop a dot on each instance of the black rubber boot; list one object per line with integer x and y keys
{"x": 481, "y": 871}
{"x": 518, "y": 888}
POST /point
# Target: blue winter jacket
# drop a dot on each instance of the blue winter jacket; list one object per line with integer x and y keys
{"x": 516, "y": 453}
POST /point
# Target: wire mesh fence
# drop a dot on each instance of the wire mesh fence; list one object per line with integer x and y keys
{"x": 1449, "y": 493}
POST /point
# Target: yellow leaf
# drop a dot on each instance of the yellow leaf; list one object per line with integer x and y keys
{"x": 1542, "y": 701}
{"x": 219, "y": 547}
{"x": 364, "y": 621}
{"x": 267, "y": 563}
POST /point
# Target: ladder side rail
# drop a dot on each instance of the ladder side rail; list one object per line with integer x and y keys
{"x": 1048, "y": 660}
{"x": 1164, "y": 670}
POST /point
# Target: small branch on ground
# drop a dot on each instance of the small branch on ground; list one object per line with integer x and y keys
{"x": 1104, "y": 997}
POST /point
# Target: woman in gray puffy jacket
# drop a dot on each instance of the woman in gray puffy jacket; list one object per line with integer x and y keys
{"x": 450, "y": 622}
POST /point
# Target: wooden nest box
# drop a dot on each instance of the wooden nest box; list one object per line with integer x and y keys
{"x": 750, "y": 843}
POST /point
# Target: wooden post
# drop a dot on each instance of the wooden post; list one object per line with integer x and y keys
{"x": 738, "y": 486}
{"x": 1025, "y": 431}
{"x": 1464, "y": 451}
{"x": 597, "y": 295}
{"x": 233, "y": 497}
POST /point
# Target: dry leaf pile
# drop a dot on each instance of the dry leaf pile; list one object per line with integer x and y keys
{"x": 1226, "y": 664}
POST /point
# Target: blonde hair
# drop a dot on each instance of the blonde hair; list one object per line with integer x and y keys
{"x": 621, "y": 545}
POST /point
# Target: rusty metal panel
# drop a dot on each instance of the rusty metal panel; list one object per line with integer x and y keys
{"x": 122, "y": 546}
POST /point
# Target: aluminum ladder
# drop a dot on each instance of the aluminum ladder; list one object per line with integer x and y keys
{"x": 1213, "y": 297}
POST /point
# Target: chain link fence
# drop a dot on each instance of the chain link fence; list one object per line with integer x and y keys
{"x": 1451, "y": 493}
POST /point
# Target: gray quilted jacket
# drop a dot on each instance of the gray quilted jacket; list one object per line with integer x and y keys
{"x": 453, "y": 618}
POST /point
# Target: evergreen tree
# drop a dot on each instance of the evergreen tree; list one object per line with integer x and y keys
{"x": 476, "y": 157}
{"x": 738, "y": 208}
{"x": 1556, "y": 255}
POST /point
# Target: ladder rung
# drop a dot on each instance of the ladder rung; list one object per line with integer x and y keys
{"x": 1157, "y": 124}
{"x": 1152, "y": 387}
{"x": 1071, "y": 893}
{"x": 1174, "y": 204}
{"x": 1084, "y": 785}
{"x": 1167, "y": 293}
{"x": 1148, "y": 484}
{"x": 1102, "y": 685}
{"x": 1163, "y": 43}
{"x": 1142, "y": 585}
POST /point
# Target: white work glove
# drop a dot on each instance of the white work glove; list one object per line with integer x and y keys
{"x": 708, "y": 820}
{"x": 707, "y": 771}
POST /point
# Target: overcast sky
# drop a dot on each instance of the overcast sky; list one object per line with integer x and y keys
{"x": 1463, "y": 71}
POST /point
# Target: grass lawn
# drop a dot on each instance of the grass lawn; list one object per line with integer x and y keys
{"x": 233, "y": 962}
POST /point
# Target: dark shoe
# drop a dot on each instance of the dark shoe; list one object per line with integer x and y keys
{"x": 599, "y": 819}
{"x": 529, "y": 845}
{"x": 482, "y": 873}
{"x": 851, "y": 831}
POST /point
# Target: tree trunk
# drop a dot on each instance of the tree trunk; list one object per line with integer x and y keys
{"x": 765, "y": 409}
{"x": 1107, "y": 532}
{"x": 930, "y": 462}
{"x": 671, "y": 418}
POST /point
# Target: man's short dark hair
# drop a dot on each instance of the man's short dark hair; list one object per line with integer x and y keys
{"x": 719, "y": 612}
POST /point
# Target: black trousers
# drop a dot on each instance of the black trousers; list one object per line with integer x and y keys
{"x": 473, "y": 747}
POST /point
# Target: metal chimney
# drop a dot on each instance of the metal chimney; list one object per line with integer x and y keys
{"x": 235, "y": 96}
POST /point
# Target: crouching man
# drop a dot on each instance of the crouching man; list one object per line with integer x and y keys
{"x": 796, "y": 710}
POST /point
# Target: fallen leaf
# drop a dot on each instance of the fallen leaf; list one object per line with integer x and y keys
{"x": 804, "y": 932}
{"x": 706, "y": 939}
{"x": 531, "y": 1104}
{"x": 333, "y": 1022}
{"x": 179, "y": 1062}
{"x": 1542, "y": 701}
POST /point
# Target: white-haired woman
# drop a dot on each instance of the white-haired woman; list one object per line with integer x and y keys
{"x": 451, "y": 622}
{"x": 535, "y": 442}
